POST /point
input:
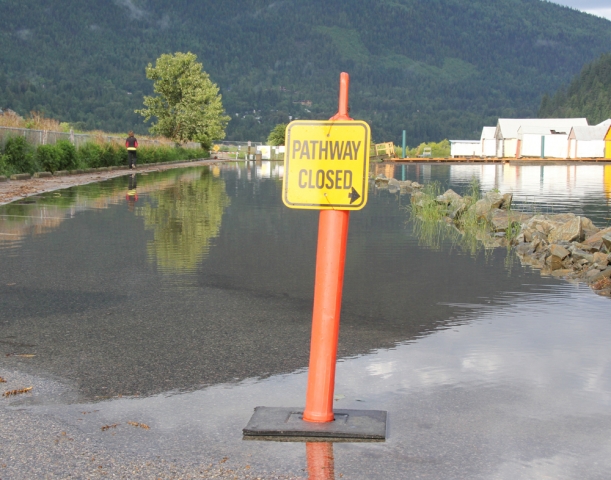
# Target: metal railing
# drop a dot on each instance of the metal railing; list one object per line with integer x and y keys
{"x": 48, "y": 137}
{"x": 232, "y": 143}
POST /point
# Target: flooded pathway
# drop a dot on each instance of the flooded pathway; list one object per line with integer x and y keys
{"x": 181, "y": 300}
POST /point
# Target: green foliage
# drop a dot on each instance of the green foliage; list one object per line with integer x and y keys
{"x": 49, "y": 157}
{"x": 69, "y": 160}
{"x": 588, "y": 95}
{"x": 188, "y": 105}
{"x": 90, "y": 155}
{"x": 19, "y": 156}
{"x": 277, "y": 135}
{"x": 4, "y": 170}
{"x": 438, "y": 69}
{"x": 438, "y": 150}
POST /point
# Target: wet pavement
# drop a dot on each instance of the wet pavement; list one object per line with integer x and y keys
{"x": 185, "y": 308}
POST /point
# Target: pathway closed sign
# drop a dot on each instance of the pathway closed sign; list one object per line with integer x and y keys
{"x": 326, "y": 165}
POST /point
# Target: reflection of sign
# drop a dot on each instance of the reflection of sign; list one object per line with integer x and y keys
{"x": 326, "y": 165}
{"x": 265, "y": 151}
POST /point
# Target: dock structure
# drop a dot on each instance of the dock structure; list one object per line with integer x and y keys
{"x": 515, "y": 161}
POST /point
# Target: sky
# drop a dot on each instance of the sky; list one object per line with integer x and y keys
{"x": 602, "y": 8}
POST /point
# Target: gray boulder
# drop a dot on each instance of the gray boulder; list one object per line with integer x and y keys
{"x": 595, "y": 242}
{"x": 578, "y": 254}
{"x": 588, "y": 227}
{"x": 554, "y": 262}
{"x": 568, "y": 231}
{"x": 507, "y": 199}
{"x": 600, "y": 259}
{"x": 457, "y": 209}
{"x": 606, "y": 239}
{"x": 595, "y": 275}
{"x": 450, "y": 196}
{"x": 416, "y": 198}
{"x": 559, "y": 251}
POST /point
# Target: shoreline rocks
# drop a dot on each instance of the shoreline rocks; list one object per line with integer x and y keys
{"x": 562, "y": 245}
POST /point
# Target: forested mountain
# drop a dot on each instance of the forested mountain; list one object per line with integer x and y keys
{"x": 437, "y": 68}
{"x": 588, "y": 95}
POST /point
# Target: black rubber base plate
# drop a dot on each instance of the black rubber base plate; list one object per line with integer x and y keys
{"x": 274, "y": 423}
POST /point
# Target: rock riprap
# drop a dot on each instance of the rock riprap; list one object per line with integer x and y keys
{"x": 563, "y": 245}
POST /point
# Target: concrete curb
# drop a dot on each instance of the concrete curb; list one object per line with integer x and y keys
{"x": 62, "y": 173}
{"x": 21, "y": 176}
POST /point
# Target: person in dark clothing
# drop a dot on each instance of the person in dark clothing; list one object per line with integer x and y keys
{"x": 132, "y": 146}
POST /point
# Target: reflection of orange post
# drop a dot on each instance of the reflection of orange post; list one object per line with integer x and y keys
{"x": 321, "y": 464}
{"x": 330, "y": 259}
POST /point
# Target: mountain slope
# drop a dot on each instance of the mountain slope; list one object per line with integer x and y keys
{"x": 588, "y": 95}
{"x": 437, "y": 68}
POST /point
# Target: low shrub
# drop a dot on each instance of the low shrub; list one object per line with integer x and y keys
{"x": 4, "y": 170}
{"x": 89, "y": 155}
{"x": 69, "y": 160}
{"x": 49, "y": 157}
{"x": 19, "y": 156}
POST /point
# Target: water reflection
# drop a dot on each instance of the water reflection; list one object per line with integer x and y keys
{"x": 487, "y": 372}
{"x": 132, "y": 194}
{"x": 321, "y": 462}
{"x": 581, "y": 189}
{"x": 184, "y": 218}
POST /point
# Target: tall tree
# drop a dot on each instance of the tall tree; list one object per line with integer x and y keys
{"x": 277, "y": 135}
{"x": 188, "y": 105}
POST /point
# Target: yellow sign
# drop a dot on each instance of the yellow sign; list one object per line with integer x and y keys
{"x": 326, "y": 165}
{"x": 216, "y": 148}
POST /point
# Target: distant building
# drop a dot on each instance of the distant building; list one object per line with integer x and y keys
{"x": 465, "y": 148}
{"x": 488, "y": 142}
{"x": 509, "y": 130}
{"x": 541, "y": 142}
{"x": 588, "y": 142}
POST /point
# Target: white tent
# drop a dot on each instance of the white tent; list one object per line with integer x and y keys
{"x": 542, "y": 142}
{"x": 488, "y": 142}
{"x": 465, "y": 148}
{"x": 588, "y": 142}
{"x": 506, "y": 134}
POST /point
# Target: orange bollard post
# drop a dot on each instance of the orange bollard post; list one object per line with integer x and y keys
{"x": 316, "y": 420}
{"x": 330, "y": 260}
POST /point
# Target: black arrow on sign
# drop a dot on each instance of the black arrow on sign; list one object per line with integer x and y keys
{"x": 353, "y": 196}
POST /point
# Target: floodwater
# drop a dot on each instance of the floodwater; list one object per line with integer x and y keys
{"x": 183, "y": 299}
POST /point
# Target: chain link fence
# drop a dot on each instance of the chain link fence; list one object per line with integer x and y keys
{"x": 47, "y": 137}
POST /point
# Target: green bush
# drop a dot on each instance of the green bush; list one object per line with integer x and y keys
{"x": 4, "y": 170}
{"x": 107, "y": 157}
{"x": 69, "y": 160}
{"x": 89, "y": 155}
{"x": 19, "y": 156}
{"x": 49, "y": 157}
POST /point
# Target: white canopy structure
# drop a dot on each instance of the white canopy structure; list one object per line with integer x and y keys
{"x": 508, "y": 143}
{"x": 488, "y": 142}
{"x": 588, "y": 142}
{"x": 465, "y": 148}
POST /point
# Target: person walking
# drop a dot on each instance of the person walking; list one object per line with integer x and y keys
{"x": 132, "y": 146}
